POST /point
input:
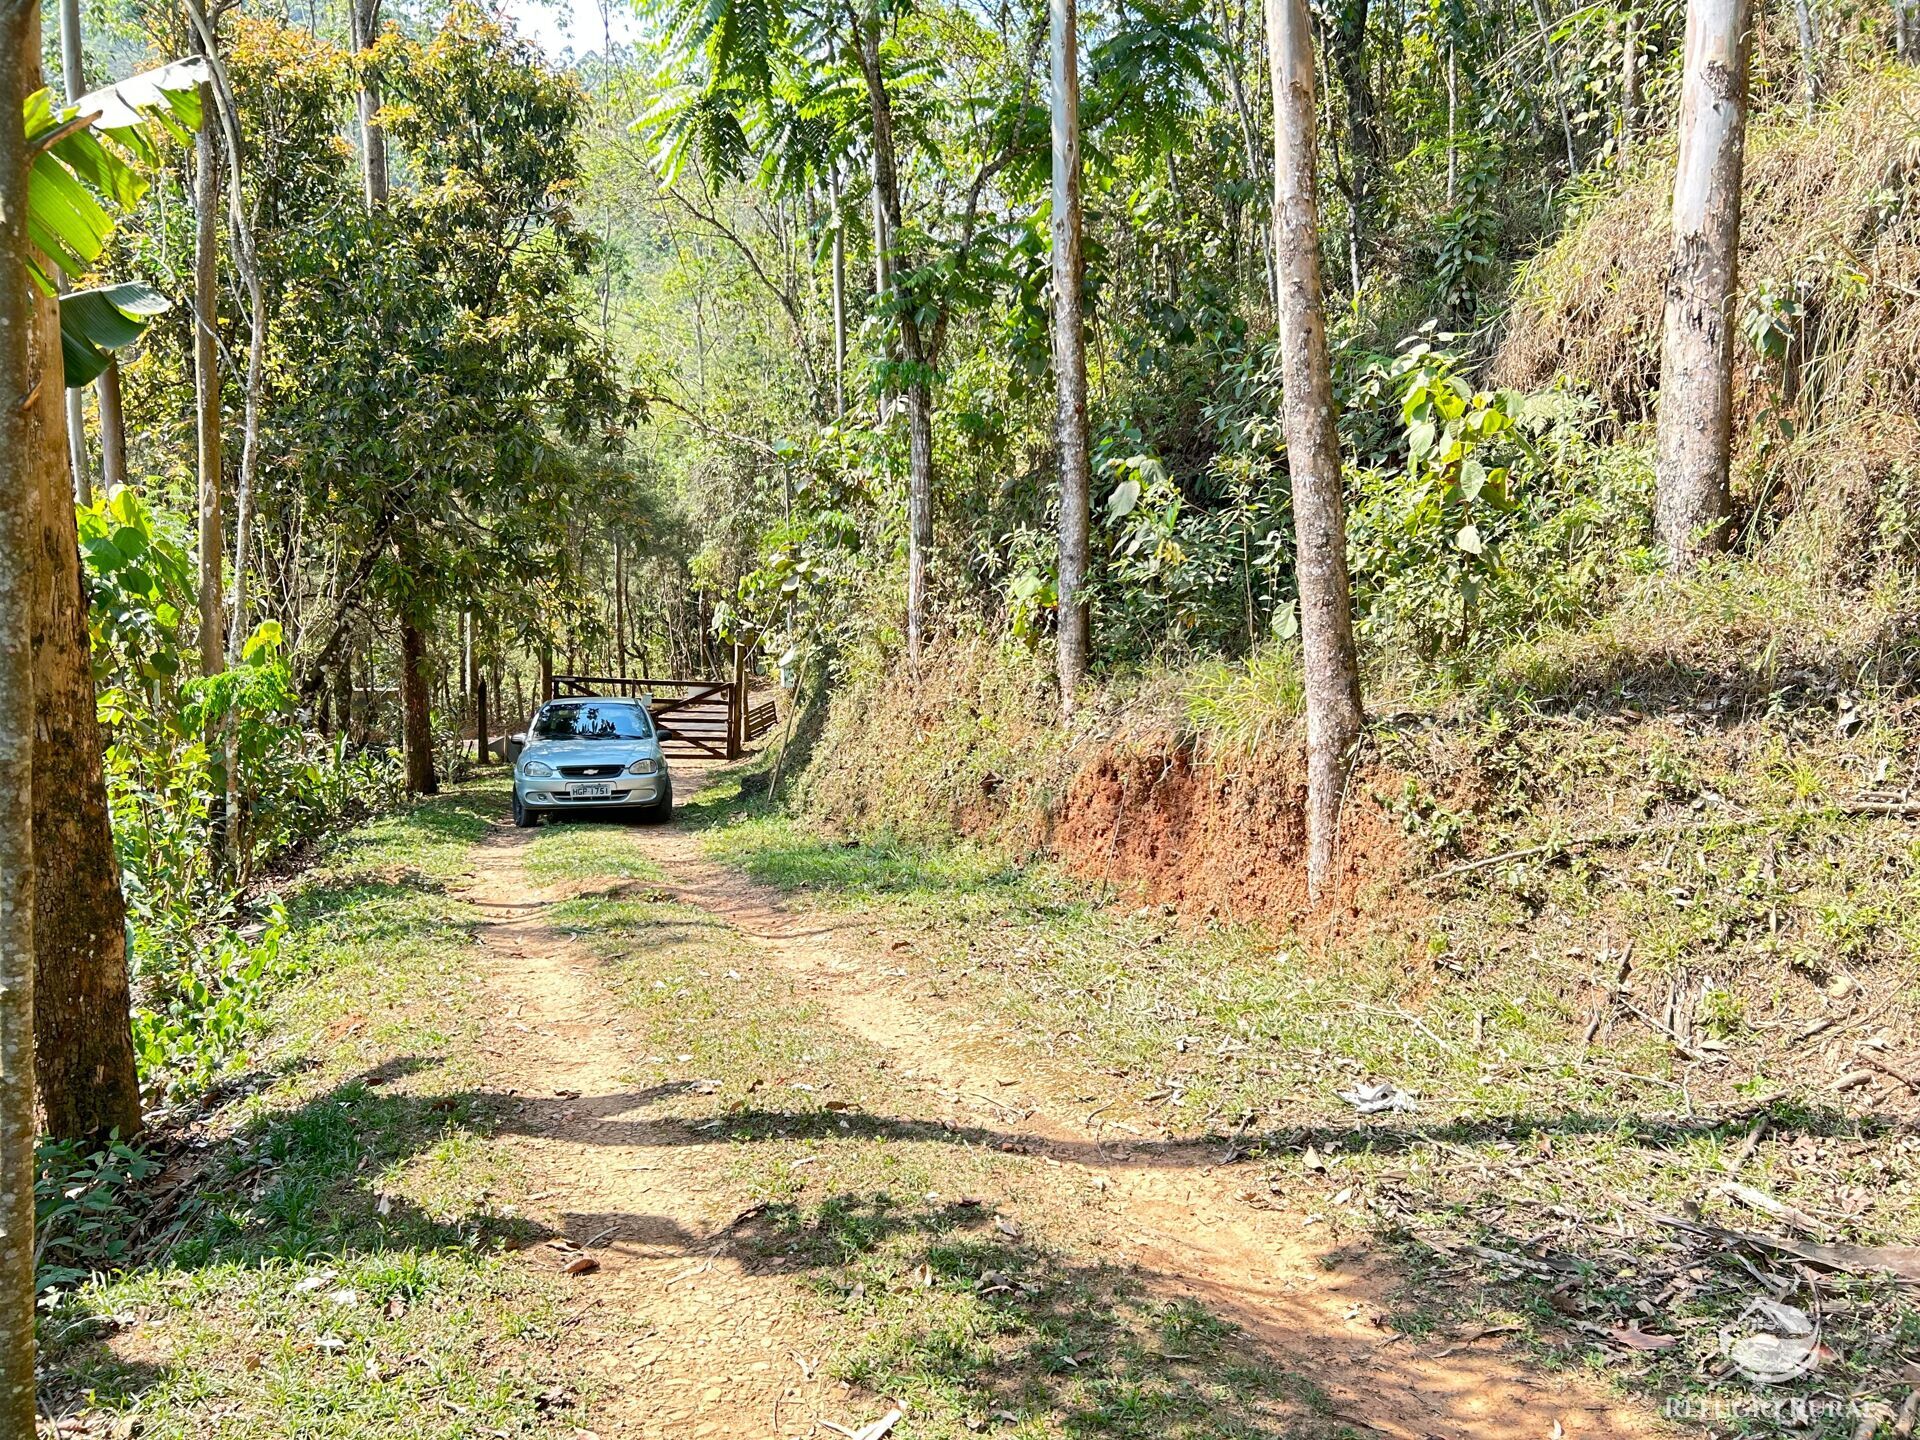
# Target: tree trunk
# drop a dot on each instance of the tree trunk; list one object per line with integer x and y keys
{"x": 82, "y": 1025}
{"x": 343, "y": 693}
{"x": 1559, "y": 90}
{"x": 839, "y": 302}
{"x": 206, "y": 372}
{"x": 1363, "y": 129}
{"x": 25, "y": 463}
{"x": 1069, "y": 352}
{"x": 483, "y": 747}
{"x": 1692, "y": 500}
{"x": 113, "y": 428}
{"x": 1331, "y": 668}
{"x": 416, "y": 708}
{"x": 1629, "y": 86}
{"x": 620, "y": 606}
{"x": 1806, "y": 29}
{"x": 73, "y": 68}
{"x": 546, "y": 671}
{"x": 913, "y": 351}
{"x": 364, "y": 21}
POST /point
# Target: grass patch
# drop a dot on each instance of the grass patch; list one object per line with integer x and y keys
{"x": 324, "y": 1254}
{"x": 1556, "y": 1117}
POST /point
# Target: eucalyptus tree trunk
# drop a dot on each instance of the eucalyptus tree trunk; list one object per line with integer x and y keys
{"x": 1692, "y": 499}
{"x": 24, "y": 461}
{"x": 913, "y": 350}
{"x": 247, "y": 260}
{"x": 206, "y": 374}
{"x": 364, "y": 19}
{"x": 1331, "y": 667}
{"x": 106, "y": 389}
{"x": 839, "y": 301}
{"x": 73, "y": 72}
{"x": 1364, "y": 160}
{"x": 1629, "y": 86}
{"x": 1807, "y": 30}
{"x": 1069, "y": 352}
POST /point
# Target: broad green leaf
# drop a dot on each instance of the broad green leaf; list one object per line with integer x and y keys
{"x": 94, "y": 322}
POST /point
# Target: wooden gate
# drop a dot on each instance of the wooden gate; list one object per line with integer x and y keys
{"x": 697, "y": 719}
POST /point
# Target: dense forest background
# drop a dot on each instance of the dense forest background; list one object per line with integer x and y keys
{"x": 482, "y": 363}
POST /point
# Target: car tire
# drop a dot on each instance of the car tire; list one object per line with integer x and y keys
{"x": 523, "y": 818}
{"x": 661, "y": 810}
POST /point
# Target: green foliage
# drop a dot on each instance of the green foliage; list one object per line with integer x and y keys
{"x": 83, "y": 1220}
{"x": 87, "y": 157}
{"x": 1492, "y": 528}
{"x": 201, "y": 966}
{"x": 207, "y": 998}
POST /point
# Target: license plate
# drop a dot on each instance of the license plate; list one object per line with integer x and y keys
{"x": 592, "y": 792}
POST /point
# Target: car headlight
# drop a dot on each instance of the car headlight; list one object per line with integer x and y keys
{"x": 644, "y": 767}
{"x": 536, "y": 769}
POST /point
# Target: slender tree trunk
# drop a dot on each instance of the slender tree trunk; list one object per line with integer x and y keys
{"x": 113, "y": 428}
{"x": 364, "y": 20}
{"x": 1629, "y": 87}
{"x": 1453, "y": 118}
{"x": 206, "y": 371}
{"x": 913, "y": 351}
{"x": 1692, "y": 499}
{"x": 1559, "y": 90}
{"x": 1807, "y": 30}
{"x": 1331, "y": 667}
{"x": 1069, "y": 352}
{"x": 620, "y": 606}
{"x": 247, "y": 260}
{"x": 1363, "y": 129}
{"x": 416, "y": 706}
{"x": 343, "y": 693}
{"x": 1249, "y": 139}
{"x": 483, "y": 748}
{"x": 24, "y": 466}
{"x": 73, "y": 69}
{"x": 839, "y": 302}
{"x": 546, "y": 671}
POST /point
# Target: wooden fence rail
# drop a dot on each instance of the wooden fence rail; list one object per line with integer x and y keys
{"x": 696, "y": 719}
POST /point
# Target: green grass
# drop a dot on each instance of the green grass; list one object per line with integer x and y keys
{"x": 887, "y": 1214}
{"x": 590, "y": 850}
{"x": 1526, "y": 1141}
{"x": 333, "y": 1261}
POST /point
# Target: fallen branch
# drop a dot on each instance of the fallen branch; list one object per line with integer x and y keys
{"x": 1901, "y": 1262}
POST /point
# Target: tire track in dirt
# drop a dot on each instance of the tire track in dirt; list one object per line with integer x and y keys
{"x": 1170, "y": 1213}
{"x": 676, "y": 1338}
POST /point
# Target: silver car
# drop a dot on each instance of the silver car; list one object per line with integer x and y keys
{"x": 591, "y": 753}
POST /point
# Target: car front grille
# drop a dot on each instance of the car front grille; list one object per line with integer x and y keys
{"x": 588, "y": 772}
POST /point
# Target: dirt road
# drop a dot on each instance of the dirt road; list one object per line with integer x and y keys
{"x": 691, "y": 1329}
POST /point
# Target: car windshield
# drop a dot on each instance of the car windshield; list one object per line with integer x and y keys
{"x": 593, "y": 720}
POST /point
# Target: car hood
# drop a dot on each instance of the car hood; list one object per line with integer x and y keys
{"x": 590, "y": 752}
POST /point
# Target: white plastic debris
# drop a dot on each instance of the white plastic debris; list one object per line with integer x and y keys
{"x": 1370, "y": 1097}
